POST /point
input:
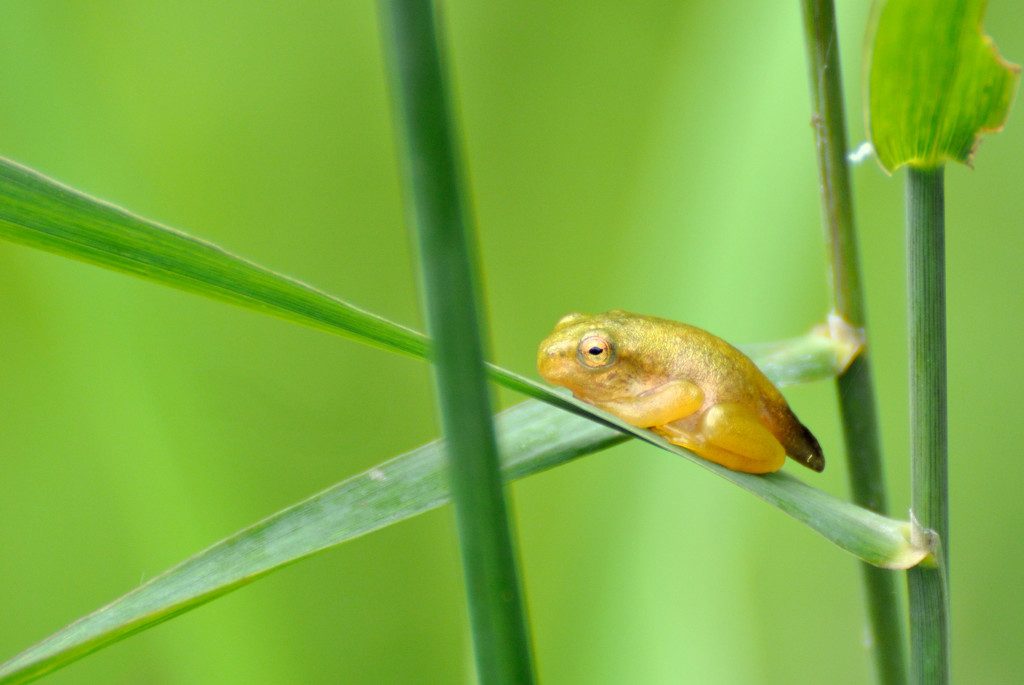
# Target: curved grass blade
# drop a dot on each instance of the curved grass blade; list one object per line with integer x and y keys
{"x": 43, "y": 213}
{"x": 533, "y": 437}
{"x": 40, "y": 212}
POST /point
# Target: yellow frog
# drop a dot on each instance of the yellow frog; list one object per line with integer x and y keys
{"x": 681, "y": 382}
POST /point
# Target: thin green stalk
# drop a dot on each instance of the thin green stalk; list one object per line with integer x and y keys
{"x": 926, "y": 294}
{"x": 926, "y": 290}
{"x": 431, "y": 168}
{"x": 855, "y": 387}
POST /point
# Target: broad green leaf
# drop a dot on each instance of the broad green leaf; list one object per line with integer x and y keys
{"x": 935, "y": 82}
{"x": 533, "y": 436}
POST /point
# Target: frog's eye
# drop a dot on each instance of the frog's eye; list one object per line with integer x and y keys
{"x": 595, "y": 351}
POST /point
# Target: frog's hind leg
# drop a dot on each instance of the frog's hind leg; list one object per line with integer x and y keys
{"x": 736, "y": 431}
{"x": 733, "y": 437}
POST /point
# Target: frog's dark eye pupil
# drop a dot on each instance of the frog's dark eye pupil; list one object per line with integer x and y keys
{"x": 595, "y": 351}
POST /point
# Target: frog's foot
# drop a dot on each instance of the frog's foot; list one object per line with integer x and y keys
{"x": 732, "y": 436}
{"x": 743, "y": 440}
{"x": 731, "y": 460}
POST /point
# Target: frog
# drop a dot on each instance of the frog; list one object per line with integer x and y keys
{"x": 681, "y": 382}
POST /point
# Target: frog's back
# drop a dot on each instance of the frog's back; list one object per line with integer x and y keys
{"x": 722, "y": 371}
{"x": 724, "y": 374}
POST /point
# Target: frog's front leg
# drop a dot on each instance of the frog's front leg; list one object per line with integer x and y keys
{"x": 731, "y": 435}
{"x": 660, "y": 405}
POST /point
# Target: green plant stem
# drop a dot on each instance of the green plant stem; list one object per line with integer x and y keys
{"x": 855, "y": 387}
{"x": 926, "y": 291}
{"x": 926, "y": 295}
{"x": 431, "y": 169}
{"x": 929, "y": 626}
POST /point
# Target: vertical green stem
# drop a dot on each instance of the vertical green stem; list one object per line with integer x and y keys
{"x": 430, "y": 164}
{"x": 855, "y": 387}
{"x": 926, "y": 294}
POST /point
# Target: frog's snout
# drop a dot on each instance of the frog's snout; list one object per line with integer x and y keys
{"x": 551, "y": 357}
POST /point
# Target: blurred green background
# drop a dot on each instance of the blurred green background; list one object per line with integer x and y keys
{"x": 654, "y": 156}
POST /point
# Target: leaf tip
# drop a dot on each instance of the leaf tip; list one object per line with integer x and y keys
{"x": 935, "y": 82}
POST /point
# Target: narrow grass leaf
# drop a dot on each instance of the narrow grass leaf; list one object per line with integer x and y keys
{"x": 40, "y": 212}
{"x": 43, "y": 213}
{"x": 533, "y": 436}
